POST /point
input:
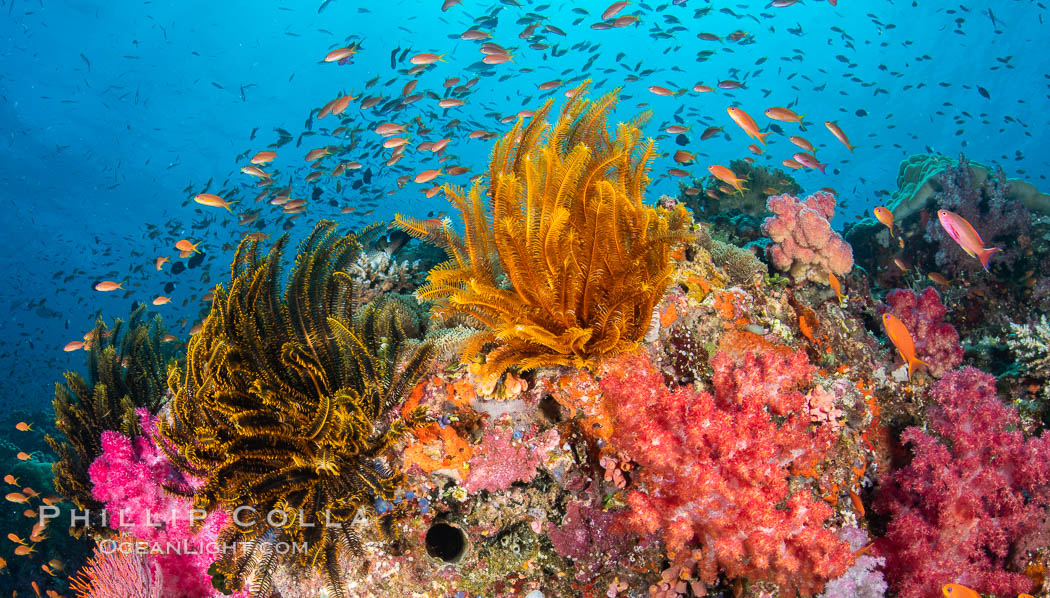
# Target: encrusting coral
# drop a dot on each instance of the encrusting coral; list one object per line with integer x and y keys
{"x": 285, "y": 405}
{"x": 127, "y": 370}
{"x": 566, "y": 262}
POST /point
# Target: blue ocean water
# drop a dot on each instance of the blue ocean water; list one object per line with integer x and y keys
{"x": 115, "y": 114}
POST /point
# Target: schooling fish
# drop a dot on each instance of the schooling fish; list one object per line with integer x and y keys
{"x": 901, "y": 338}
{"x": 963, "y": 233}
{"x": 727, "y": 176}
{"x": 746, "y": 123}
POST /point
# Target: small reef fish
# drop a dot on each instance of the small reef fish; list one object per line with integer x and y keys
{"x": 73, "y": 346}
{"x": 785, "y": 115}
{"x": 744, "y": 120}
{"x": 837, "y": 132}
{"x": 954, "y": 590}
{"x": 901, "y": 338}
{"x": 108, "y": 285}
{"x": 24, "y": 427}
{"x": 212, "y": 200}
{"x": 184, "y": 245}
{"x": 963, "y": 233}
{"x": 160, "y": 262}
{"x": 885, "y": 216}
{"x": 836, "y": 286}
{"x": 264, "y": 157}
{"x": 10, "y": 479}
{"x": 727, "y": 176}
{"x": 161, "y": 300}
{"x": 427, "y": 58}
{"x": 809, "y": 161}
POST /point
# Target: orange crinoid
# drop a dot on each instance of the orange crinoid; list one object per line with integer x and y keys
{"x": 564, "y": 262}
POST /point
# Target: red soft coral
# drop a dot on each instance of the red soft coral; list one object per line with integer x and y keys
{"x": 975, "y": 488}
{"x": 936, "y": 341}
{"x": 714, "y": 469}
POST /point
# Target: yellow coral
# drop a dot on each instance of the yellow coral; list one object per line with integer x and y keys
{"x": 566, "y": 262}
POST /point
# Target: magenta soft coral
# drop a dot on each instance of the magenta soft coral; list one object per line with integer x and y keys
{"x": 127, "y": 478}
{"x": 936, "y": 341}
{"x": 714, "y": 469}
{"x": 804, "y": 244}
{"x": 974, "y": 490}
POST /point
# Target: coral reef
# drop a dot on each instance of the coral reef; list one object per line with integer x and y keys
{"x": 804, "y": 245}
{"x": 566, "y": 262}
{"x": 285, "y": 404}
{"x": 975, "y": 489}
{"x": 863, "y": 579}
{"x": 117, "y": 574}
{"x": 129, "y": 478}
{"x": 376, "y": 272}
{"x": 127, "y": 370}
{"x": 936, "y": 341}
{"x": 1031, "y": 344}
{"x": 713, "y": 469}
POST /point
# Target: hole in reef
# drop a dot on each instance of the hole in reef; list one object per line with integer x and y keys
{"x": 550, "y": 409}
{"x": 446, "y": 542}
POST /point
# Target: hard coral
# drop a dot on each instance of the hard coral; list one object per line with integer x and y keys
{"x": 975, "y": 490}
{"x": 566, "y": 263}
{"x": 714, "y": 469}
{"x": 936, "y": 341}
{"x": 285, "y": 404}
{"x": 130, "y": 478}
{"x": 804, "y": 244}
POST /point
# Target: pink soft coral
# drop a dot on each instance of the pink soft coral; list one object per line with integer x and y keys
{"x": 936, "y": 341}
{"x": 804, "y": 244}
{"x": 975, "y": 489}
{"x": 127, "y": 478}
{"x": 714, "y": 469}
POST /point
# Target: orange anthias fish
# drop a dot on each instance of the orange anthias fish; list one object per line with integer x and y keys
{"x": 184, "y": 245}
{"x": 24, "y": 427}
{"x": 747, "y": 123}
{"x": 786, "y": 115}
{"x": 836, "y": 286}
{"x": 954, "y": 590}
{"x": 901, "y": 338}
{"x": 108, "y": 285}
{"x": 160, "y": 262}
{"x": 428, "y": 175}
{"x": 212, "y": 200}
{"x": 264, "y": 157}
{"x": 885, "y": 216}
{"x": 10, "y": 479}
{"x": 837, "y": 132}
{"x": 727, "y": 176}
{"x": 963, "y": 233}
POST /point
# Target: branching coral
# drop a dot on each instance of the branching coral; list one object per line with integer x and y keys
{"x": 284, "y": 404}
{"x": 804, "y": 243}
{"x": 974, "y": 491}
{"x": 127, "y": 368}
{"x": 1031, "y": 344}
{"x": 936, "y": 341}
{"x": 714, "y": 469}
{"x": 566, "y": 262}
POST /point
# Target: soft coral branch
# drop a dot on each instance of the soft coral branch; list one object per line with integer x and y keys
{"x": 714, "y": 469}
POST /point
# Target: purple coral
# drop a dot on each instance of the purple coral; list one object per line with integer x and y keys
{"x": 936, "y": 341}
{"x": 804, "y": 244}
{"x": 587, "y": 536}
{"x": 128, "y": 479}
{"x": 975, "y": 491}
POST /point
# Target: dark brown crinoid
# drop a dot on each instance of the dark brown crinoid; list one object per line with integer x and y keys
{"x": 283, "y": 403}
{"x": 127, "y": 370}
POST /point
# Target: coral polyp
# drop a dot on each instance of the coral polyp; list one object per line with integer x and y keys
{"x": 282, "y": 405}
